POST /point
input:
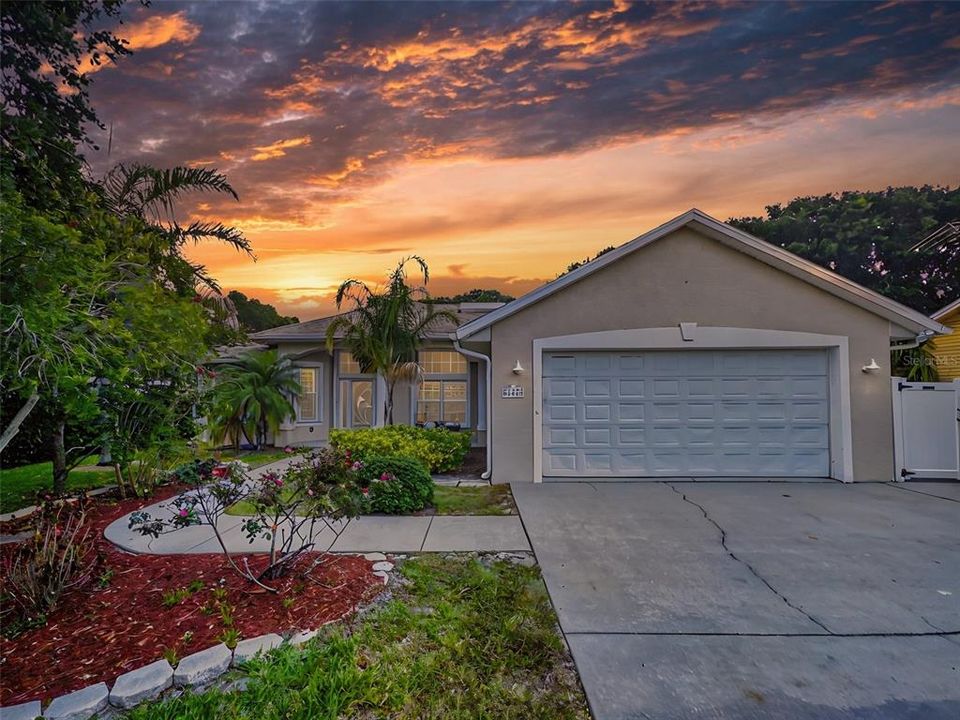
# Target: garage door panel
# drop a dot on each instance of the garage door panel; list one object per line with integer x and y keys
{"x": 597, "y": 462}
{"x": 596, "y": 412}
{"x": 561, "y": 462}
{"x": 632, "y": 388}
{"x": 596, "y": 388}
{"x": 700, "y": 413}
{"x": 557, "y": 412}
{"x": 597, "y": 436}
{"x": 631, "y": 436}
{"x": 631, "y": 412}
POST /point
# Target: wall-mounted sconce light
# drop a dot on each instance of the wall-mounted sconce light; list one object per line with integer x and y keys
{"x": 518, "y": 369}
{"x": 872, "y": 367}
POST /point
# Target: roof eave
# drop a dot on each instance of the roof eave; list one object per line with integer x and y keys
{"x": 948, "y": 310}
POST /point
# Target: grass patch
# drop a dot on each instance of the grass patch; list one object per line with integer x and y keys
{"x": 486, "y": 500}
{"x": 460, "y": 640}
{"x": 245, "y": 507}
{"x": 253, "y": 458}
{"x": 19, "y": 485}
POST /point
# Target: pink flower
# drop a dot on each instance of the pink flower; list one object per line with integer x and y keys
{"x": 278, "y": 482}
{"x": 384, "y": 477}
{"x": 288, "y": 449}
{"x": 357, "y": 465}
{"x": 310, "y": 493}
{"x": 365, "y": 491}
{"x": 184, "y": 512}
{"x": 221, "y": 471}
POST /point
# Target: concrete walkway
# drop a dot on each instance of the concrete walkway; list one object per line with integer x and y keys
{"x": 372, "y": 533}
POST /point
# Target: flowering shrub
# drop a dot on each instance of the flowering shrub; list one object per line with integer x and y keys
{"x": 437, "y": 449}
{"x": 60, "y": 556}
{"x": 192, "y": 471}
{"x": 290, "y": 508}
{"x": 396, "y": 485}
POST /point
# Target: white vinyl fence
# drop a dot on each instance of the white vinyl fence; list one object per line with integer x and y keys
{"x": 926, "y": 427}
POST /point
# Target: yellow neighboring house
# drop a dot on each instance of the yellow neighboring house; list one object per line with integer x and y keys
{"x": 946, "y": 348}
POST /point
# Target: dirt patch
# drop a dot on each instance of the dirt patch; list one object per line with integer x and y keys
{"x": 128, "y": 619}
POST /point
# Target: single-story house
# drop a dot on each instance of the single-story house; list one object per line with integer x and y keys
{"x": 694, "y": 350}
{"x": 946, "y": 348}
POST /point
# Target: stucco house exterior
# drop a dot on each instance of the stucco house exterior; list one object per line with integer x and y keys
{"x": 946, "y": 348}
{"x": 694, "y": 350}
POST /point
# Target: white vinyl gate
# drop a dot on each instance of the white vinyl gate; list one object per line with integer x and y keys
{"x": 926, "y": 424}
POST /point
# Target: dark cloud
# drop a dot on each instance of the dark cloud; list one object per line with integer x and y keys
{"x": 304, "y": 104}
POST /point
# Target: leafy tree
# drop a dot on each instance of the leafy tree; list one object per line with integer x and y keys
{"x": 254, "y": 315}
{"x": 102, "y": 314}
{"x": 475, "y": 296}
{"x": 81, "y": 311}
{"x": 252, "y": 396}
{"x": 580, "y": 263}
{"x": 384, "y": 328}
{"x": 872, "y": 238}
{"x": 46, "y": 108}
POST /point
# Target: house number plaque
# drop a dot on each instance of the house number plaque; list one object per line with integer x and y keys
{"x": 511, "y": 391}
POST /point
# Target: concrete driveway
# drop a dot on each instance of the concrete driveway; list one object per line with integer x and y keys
{"x": 802, "y": 601}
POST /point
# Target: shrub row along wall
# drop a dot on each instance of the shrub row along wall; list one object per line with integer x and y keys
{"x": 437, "y": 449}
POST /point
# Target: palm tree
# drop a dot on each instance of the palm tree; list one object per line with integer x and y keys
{"x": 150, "y": 195}
{"x": 384, "y": 328}
{"x": 253, "y": 396}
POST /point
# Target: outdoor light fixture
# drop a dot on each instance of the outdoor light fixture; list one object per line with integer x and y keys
{"x": 518, "y": 369}
{"x": 872, "y": 367}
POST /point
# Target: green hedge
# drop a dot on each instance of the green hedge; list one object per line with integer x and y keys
{"x": 438, "y": 449}
{"x": 398, "y": 485}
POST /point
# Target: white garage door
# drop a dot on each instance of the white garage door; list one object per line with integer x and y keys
{"x": 705, "y": 413}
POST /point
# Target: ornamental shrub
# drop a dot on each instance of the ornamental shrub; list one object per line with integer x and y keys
{"x": 396, "y": 485}
{"x": 437, "y": 449}
{"x": 59, "y": 556}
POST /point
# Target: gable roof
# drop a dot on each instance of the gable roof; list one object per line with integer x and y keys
{"x": 944, "y": 312}
{"x": 316, "y": 330}
{"x": 738, "y": 240}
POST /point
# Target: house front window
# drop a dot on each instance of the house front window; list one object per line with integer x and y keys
{"x": 442, "y": 395}
{"x": 308, "y": 401}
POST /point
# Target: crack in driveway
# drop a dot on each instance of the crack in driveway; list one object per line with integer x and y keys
{"x": 747, "y": 565}
{"x": 899, "y": 486}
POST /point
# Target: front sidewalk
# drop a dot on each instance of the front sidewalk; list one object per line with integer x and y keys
{"x": 395, "y": 534}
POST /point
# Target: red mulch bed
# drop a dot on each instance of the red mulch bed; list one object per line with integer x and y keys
{"x": 97, "y": 634}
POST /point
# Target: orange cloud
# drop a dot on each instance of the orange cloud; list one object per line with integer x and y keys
{"x": 278, "y": 149}
{"x": 334, "y": 179}
{"x": 153, "y": 31}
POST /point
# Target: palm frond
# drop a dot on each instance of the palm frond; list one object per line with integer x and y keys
{"x": 198, "y": 231}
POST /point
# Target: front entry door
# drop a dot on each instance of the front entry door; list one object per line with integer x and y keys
{"x": 356, "y": 403}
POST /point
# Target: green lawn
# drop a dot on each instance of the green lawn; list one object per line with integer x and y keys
{"x": 253, "y": 458}
{"x": 488, "y": 500}
{"x": 458, "y": 641}
{"x": 19, "y": 486}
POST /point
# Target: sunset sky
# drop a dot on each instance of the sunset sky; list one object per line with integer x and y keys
{"x": 502, "y": 141}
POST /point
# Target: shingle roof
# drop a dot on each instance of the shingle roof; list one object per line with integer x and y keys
{"x": 316, "y": 330}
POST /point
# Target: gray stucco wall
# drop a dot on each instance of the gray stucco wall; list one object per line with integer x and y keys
{"x": 688, "y": 277}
